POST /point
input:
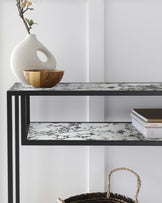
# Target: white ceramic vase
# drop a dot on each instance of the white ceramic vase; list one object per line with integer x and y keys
{"x": 25, "y": 57}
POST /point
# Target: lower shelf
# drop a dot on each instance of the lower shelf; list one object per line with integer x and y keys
{"x": 85, "y": 133}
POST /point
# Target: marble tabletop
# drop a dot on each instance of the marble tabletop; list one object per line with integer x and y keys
{"x": 85, "y": 131}
{"x": 93, "y": 86}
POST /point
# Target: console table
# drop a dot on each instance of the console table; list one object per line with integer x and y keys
{"x": 70, "y": 133}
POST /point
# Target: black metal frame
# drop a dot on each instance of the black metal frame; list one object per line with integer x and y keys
{"x": 87, "y": 93}
{"x": 25, "y": 122}
{"x": 10, "y": 149}
{"x": 91, "y": 143}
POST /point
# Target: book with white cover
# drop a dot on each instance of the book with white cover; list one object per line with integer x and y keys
{"x": 146, "y": 124}
{"x": 147, "y": 132}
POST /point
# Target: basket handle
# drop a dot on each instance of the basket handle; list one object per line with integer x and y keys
{"x": 127, "y": 169}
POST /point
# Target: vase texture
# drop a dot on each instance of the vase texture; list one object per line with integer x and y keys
{"x": 25, "y": 57}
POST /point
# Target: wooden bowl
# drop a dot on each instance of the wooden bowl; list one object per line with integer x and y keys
{"x": 43, "y": 78}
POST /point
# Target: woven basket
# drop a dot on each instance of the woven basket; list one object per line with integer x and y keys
{"x": 106, "y": 197}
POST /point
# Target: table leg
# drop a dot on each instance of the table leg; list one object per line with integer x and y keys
{"x": 25, "y": 117}
{"x": 17, "y": 148}
{"x": 23, "y": 120}
{"x": 9, "y": 148}
{"x": 27, "y": 103}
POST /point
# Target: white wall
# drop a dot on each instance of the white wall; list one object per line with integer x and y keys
{"x": 132, "y": 52}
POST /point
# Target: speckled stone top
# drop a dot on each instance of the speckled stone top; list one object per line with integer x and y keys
{"x": 73, "y": 131}
{"x": 92, "y": 87}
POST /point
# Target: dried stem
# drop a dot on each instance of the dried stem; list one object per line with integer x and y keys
{"x": 21, "y": 14}
{"x": 26, "y": 9}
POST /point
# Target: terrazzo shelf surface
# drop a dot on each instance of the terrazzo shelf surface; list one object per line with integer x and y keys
{"x": 91, "y": 88}
{"x": 90, "y": 133}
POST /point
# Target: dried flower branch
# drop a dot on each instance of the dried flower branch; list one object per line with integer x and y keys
{"x": 23, "y": 6}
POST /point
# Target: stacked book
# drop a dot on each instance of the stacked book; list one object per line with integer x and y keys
{"x": 148, "y": 122}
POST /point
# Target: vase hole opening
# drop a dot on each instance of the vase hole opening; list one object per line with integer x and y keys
{"x": 42, "y": 57}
